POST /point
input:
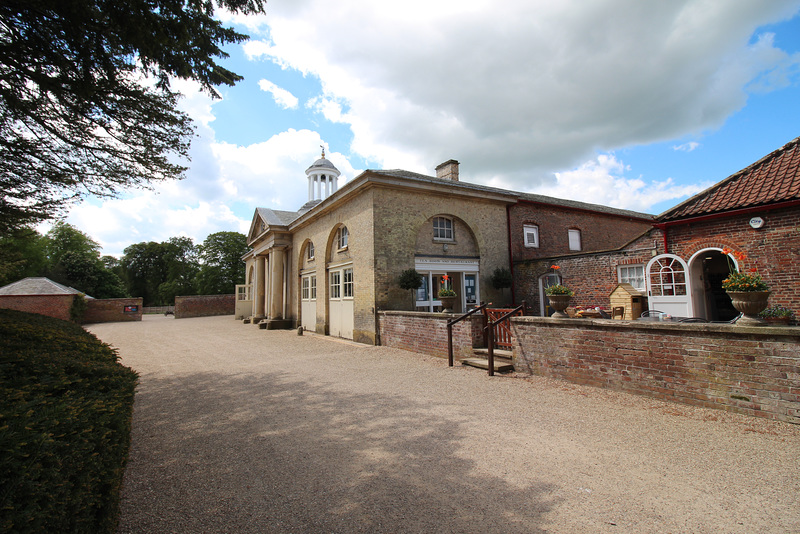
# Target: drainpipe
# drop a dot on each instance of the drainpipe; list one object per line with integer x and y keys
{"x": 510, "y": 255}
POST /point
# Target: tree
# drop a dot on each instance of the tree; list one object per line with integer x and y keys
{"x": 74, "y": 260}
{"x": 222, "y": 266}
{"x": 22, "y": 254}
{"x": 411, "y": 280}
{"x": 159, "y": 271}
{"x": 85, "y": 99}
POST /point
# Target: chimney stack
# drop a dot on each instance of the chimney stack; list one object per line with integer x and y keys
{"x": 448, "y": 170}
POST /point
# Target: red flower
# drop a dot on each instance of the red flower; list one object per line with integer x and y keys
{"x": 555, "y": 267}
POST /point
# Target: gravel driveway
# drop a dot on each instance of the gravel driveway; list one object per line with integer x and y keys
{"x": 243, "y": 430}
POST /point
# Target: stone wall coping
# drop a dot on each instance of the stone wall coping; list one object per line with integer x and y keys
{"x": 432, "y": 315}
{"x": 728, "y": 329}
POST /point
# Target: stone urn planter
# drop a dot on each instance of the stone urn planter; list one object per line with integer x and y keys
{"x": 559, "y": 303}
{"x": 447, "y": 304}
{"x": 750, "y": 304}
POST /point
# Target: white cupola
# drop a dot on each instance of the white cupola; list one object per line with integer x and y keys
{"x": 323, "y": 179}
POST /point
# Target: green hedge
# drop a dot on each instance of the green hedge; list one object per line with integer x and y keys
{"x": 65, "y": 417}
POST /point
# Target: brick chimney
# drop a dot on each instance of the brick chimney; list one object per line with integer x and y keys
{"x": 448, "y": 170}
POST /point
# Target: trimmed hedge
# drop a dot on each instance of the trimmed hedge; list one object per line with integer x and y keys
{"x": 65, "y": 418}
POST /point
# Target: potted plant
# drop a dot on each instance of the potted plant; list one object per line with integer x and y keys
{"x": 777, "y": 315}
{"x": 559, "y": 297}
{"x": 747, "y": 290}
{"x": 411, "y": 280}
{"x": 447, "y": 295}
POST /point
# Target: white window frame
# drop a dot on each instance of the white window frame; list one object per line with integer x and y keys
{"x": 626, "y": 278}
{"x": 310, "y": 252}
{"x": 574, "y": 239}
{"x": 530, "y": 229}
{"x": 305, "y": 283}
{"x": 342, "y": 238}
{"x": 335, "y": 280}
{"x": 313, "y": 287}
{"x": 348, "y": 287}
{"x": 443, "y": 229}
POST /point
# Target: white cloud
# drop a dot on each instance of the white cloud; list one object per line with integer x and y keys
{"x": 686, "y": 147}
{"x": 525, "y": 87}
{"x": 282, "y": 97}
{"x": 603, "y": 181}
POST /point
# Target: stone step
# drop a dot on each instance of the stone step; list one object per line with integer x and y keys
{"x": 501, "y": 365}
{"x": 498, "y": 353}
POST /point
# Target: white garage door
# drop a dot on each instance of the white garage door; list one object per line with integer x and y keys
{"x": 341, "y": 302}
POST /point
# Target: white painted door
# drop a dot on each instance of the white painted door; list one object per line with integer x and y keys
{"x": 308, "y": 302}
{"x": 341, "y": 302}
{"x": 668, "y": 285}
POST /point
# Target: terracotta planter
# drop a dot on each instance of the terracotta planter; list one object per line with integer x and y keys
{"x": 447, "y": 304}
{"x": 559, "y": 303}
{"x": 750, "y": 303}
{"x": 778, "y": 321}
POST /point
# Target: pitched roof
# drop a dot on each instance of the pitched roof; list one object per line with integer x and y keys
{"x": 773, "y": 179}
{"x": 37, "y": 286}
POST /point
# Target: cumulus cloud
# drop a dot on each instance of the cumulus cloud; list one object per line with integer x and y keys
{"x": 603, "y": 181}
{"x": 525, "y": 87}
{"x": 282, "y": 97}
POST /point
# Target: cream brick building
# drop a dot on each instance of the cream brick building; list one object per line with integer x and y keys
{"x": 330, "y": 266}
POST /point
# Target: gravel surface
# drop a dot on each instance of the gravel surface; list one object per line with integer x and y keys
{"x": 243, "y": 430}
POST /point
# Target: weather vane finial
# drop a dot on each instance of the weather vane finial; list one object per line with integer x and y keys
{"x": 323, "y": 150}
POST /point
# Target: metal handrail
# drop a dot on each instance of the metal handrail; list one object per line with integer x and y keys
{"x": 489, "y": 329}
{"x": 450, "y": 324}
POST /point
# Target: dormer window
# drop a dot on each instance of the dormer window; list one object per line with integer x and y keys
{"x": 342, "y": 236}
{"x": 310, "y": 253}
{"x": 442, "y": 229}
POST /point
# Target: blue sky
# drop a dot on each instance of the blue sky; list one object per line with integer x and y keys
{"x": 618, "y": 102}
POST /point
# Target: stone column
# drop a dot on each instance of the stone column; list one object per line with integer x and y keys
{"x": 259, "y": 293}
{"x": 276, "y": 284}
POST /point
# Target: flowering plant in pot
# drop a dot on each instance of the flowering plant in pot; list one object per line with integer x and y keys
{"x": 558, "y": 295}
{"x": 777, "y": 314}
{"x": 748, "y": 291}
{"x": 447, "y": 295}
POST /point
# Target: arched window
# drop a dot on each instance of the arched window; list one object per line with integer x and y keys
{"x": 342, "y": 236}
{"x": 310, "y": 251}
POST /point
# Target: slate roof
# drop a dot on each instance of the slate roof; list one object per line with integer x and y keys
{"x": 37, "y": 286}
{"x": 276, "y": 217}
{"x": 773, "y": 179}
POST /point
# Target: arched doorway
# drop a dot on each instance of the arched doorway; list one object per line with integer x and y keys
{"x": 708, "y": 268}
{"x": 668, "y": 287}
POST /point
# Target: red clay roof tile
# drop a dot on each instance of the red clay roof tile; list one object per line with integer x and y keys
{"x": 772, "y": 179}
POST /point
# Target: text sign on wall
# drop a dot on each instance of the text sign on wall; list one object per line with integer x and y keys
{"x": 130, "y": 309}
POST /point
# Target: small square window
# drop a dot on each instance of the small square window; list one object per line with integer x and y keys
{"x": 575, "y": 240}
{"x": 442, "y": 229}
{"x": 530, "y": 233}
{"x": 633, "y": 275}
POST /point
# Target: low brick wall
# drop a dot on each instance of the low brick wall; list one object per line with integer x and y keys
{"x": 754, "y": 371}
{"x": 113, "y": 310}
{"x": 426, "y": 332}
{"x": 57, "y": 306}
{"x": 204, "y": 305}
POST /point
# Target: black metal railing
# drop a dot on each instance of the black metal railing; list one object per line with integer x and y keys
{"x": 450, "y": 324}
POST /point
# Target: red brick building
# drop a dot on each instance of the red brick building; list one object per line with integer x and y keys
{"x": 678, "y": 261}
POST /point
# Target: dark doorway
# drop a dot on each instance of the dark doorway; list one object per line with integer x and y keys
{"x": 718, "y": 303}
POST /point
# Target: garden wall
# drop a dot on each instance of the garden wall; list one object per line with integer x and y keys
{"x": 204, "y": 306}
{"x": 426, "y": 332}
{"x": 753, "y": 371}
{"x": 113, "y": 310}
{"x": 57, "y": 306}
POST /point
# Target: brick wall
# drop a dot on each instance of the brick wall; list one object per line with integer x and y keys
{"x": 57, "y": 306}
{"x": 427, "y": 333}
{"x": 113, "y": 310}
{"x": 773, "y": 249}
{"x": 204, "y": 305}
{"x": 754, "y": 371}
{"x": 599, "y": 230}
{"x": 593, "y": 276}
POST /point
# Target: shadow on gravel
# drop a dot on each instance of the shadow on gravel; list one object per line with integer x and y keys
{"x": 214, "y": 453}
